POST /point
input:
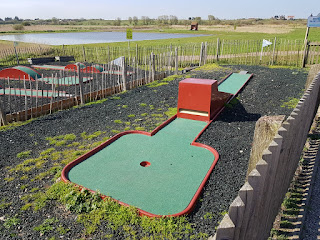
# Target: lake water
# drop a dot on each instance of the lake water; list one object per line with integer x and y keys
{"x": 89, "y": 37}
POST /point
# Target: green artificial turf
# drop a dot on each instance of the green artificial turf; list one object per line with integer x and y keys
{"x": 166, "y": 186}
{"x": 233, "y": 83}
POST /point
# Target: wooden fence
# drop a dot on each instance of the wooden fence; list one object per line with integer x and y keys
{"x": 253, "y": 211}
{"x": 281, "y": 52}
{"x": 22, "y": 99}
{"x": 145, "y": 63}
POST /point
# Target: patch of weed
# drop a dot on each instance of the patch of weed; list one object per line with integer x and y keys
{"x": 14, "y": 125}
{"x": 286, "y": 224}
{"x": 140, "y": 128}
{"x": 4, "y": 204}
{"x": 171, "y": 112}
{"x": 47, "y": 151}
{"x": 291, "y": 103}
{"x": 117, "y": 121}
{"x": 208, "y": 215}
{"x": 131, "y": 115}
{"x": 24, "y": 154}
{"x": 24, "y": 177}
{"x": 9, "y": 179}
{"x": 143, "y": 105}
{"x": 46, "y": 226}
{"x": 10, "y": 222}
{"x": 156, "y": 115}
{"x": 23, "y": 187}
{"x": 62, "y": 230}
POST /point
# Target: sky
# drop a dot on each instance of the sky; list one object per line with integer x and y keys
{"x": 183, "y": 9}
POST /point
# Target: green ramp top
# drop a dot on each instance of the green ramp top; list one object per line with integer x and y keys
{"x": 32, "y": 73}
{"x": 234, "y": 83}
{"x": 167, "y": 186}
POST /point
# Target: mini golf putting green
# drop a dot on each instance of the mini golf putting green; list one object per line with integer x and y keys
{"x": 162, "y": 173}
{"x": 159, "y": 174}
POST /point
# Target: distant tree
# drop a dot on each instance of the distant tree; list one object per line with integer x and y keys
{"x": 135, "y": 20}
{"x": 173, "y": 20}
{"x": 18, "y": 27}
{"x": 8, "y": 19}
{"x": 145, "y": 20}
{"x": 117, "y": 22}
{"x": 211, "y": 19}
{"x": 198, "y": 19}
{"x": 26, "y": 24}
{"x": 130, "y": 20}
{"x": 164, "y": 19}
{"x": 16, "y": 18}
{"x": 54, "y": 20}
{"x": 1, "y": 20}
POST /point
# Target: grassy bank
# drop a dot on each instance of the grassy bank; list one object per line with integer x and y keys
{"x": 290, "y": 30}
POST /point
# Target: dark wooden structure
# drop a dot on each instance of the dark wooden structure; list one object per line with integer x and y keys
{"x": 194, "y": 26}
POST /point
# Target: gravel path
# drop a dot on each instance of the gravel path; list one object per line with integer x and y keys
{"x": 231, "y": 135}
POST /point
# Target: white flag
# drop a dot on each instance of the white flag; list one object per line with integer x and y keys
{"x": 266, "y": 43}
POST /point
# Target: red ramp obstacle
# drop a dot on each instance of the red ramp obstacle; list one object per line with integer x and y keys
{"x": 161, "y": 173}
{"x": 199, "y": 99}
{"x": 19, "y": 73}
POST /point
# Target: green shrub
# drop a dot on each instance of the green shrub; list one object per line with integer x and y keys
{"x": 18, "y": 27}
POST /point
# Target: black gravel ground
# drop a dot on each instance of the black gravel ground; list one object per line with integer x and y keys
{"x": 231, "y": 135}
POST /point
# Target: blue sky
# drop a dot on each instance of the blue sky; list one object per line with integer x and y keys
{"x": 105, "y": 9}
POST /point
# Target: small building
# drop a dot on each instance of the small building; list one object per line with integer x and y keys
{"x": 194, "y": 26}
{"x": 290, "y": 18}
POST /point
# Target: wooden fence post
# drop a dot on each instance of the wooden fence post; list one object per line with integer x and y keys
{"x": 274, "y": 50}
{"x": 205, "y": 53}
{"x": 176, "y": 61}
{"x": 80, "y": 84}
{"x": 226, "y": 229}
{"x": 201, "y": 54}
{"x": 236, "y": 213}
{"x": 305, "y": 54}
{"x": 124, "y": 73}
{"x": 218, "y": 49}
{"x": 84, "y": 54}
{"x": 3, "y": 117}
{"x": 153, "y": 66}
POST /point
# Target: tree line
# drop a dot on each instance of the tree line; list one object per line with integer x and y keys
{"x": 143, "y": 20}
